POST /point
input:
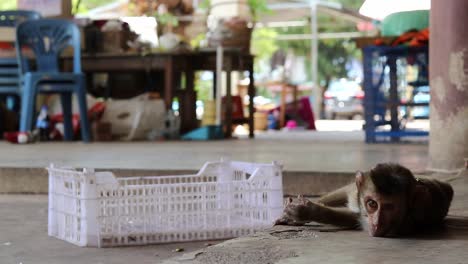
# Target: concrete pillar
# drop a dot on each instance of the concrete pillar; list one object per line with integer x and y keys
{"x": 448, "y": 51}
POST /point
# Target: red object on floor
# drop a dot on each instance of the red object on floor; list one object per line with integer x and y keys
{"x": 11, "y": 137}
{"x": 94, "y": 113}
{"x": 58, "y": 118}
{"x": 237, "y": 108}
{"x": 4, "y": 45}
{"x": 304, "y": 111}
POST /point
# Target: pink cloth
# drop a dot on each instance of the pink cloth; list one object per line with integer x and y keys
{"x": 304, "y": 111}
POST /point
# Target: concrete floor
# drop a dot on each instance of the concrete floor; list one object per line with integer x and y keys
{"x": 23, "y": 221}
{"x": 326, "y": 244}
{"x": 322, "y": 151}
{"x": 23, "y": 239}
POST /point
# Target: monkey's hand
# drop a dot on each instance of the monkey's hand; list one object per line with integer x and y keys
{"x": 298, "y": 213}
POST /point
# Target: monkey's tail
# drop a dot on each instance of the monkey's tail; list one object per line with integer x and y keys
{"x": 460, "y": 174}
{"x": 457, "y": 222}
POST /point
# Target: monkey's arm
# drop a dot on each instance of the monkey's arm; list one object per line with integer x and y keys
{"x": 307, "y": 211}
{"x": 337, "y": 216}
{"x": 337, "y": 198}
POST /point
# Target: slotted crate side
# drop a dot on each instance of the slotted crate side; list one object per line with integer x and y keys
{"x": 224, "y": 200}
{"x": 65, "y": 207}
{"x": 254, "y": 195}
{"x": 260, "y": 197}
{"x": 160, "y": 209}
{"x": 208, "y": 173}
{"x": 192, "y": 207}
{"x": 159, "y": 215}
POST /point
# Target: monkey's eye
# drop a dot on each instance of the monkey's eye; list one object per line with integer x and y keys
{"x": 371, "y": 204}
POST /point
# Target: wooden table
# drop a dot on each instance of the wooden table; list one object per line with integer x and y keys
{"x": 173, "y": 64}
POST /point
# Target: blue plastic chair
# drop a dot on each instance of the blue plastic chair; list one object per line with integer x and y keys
{"x": 9, "y": 79}
{"x": 48, "y": 38}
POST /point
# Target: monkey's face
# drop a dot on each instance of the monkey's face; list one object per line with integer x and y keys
{"x": 384, "y": 213}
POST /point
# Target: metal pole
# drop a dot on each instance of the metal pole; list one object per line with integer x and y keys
{"x": 314, "y": 58}
{"x": 219, "y": 73}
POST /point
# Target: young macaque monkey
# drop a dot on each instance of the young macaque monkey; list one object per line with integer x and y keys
{"x": 387, "y": 201}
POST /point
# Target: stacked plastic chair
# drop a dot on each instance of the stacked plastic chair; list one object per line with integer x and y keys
{"x": 9, "y": 75}
{"x": 48, "y": 38}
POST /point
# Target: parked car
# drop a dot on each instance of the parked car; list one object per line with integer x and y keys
{"x": 344, "y": 98}
{"x": 421, "y": 95}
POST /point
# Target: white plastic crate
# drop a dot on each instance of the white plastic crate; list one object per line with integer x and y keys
{"x": 224, "y": 199}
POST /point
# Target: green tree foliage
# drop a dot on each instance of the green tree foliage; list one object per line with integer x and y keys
{"x": 257, "y": 8}
{"x": 263, "y": 42}
{"x": 203, "y": 87}
{"x": 86, "y": 5}
{"x": 7, "y": 4}
{"x": 333, "y": 55}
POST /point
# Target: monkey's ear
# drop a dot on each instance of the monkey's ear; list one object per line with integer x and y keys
{"x": 359, "y": 179}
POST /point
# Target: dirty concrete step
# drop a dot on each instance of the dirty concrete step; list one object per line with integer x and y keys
{"x": 35, "y": 180}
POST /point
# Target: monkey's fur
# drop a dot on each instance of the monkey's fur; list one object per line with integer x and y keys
{"x": 386, "y": 200}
